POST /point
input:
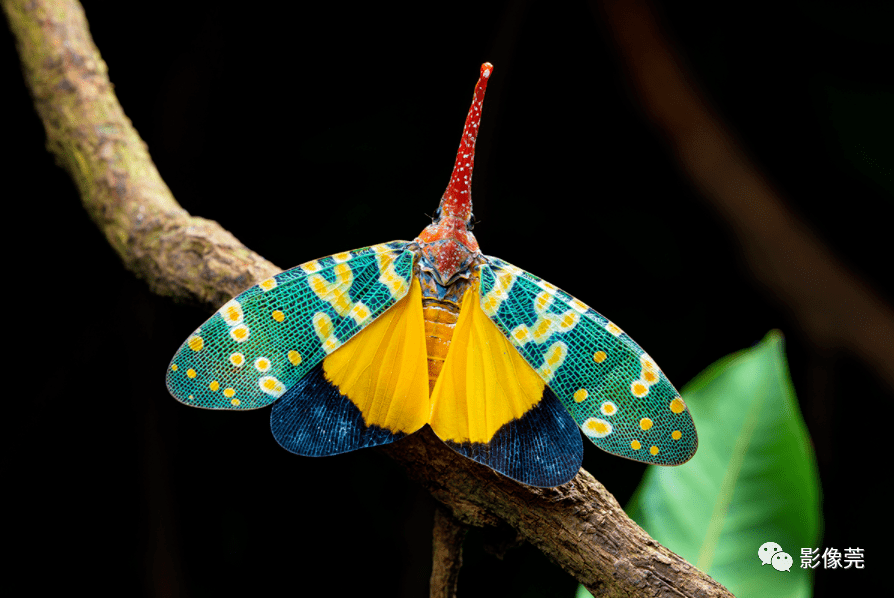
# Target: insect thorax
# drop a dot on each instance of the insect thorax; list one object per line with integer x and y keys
{"x": 440, "y": 309}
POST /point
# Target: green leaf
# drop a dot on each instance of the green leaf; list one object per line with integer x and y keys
{"x": 753, "y": 480}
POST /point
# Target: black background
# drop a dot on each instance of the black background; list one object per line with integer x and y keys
{"x": 307, "y": 131}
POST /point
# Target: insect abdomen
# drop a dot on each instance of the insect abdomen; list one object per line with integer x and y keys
{"x": 440, "y": 320}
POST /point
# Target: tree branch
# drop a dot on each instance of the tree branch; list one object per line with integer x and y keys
{"x": 91, "y": 138}
{"x": 579, "y": 525}
{"x": 447, "y": 556}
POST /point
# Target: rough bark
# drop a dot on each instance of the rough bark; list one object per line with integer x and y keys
{"x": 90, "y": 137}
{"x": 579, "y": 525}
{"x": 447, "y": 555}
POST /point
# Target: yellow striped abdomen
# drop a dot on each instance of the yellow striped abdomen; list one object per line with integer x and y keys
{"x": 440, "y": 320}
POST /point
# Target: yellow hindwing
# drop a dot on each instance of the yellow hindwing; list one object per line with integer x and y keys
{"x": 485, "y": 383}
{"x": 383, "y": 369}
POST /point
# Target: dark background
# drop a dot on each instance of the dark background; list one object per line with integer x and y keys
{"x": 307, "y": 131}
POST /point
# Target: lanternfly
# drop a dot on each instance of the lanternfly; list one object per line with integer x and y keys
{"x": 364, "y": 347}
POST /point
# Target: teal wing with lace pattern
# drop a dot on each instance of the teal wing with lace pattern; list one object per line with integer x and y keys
{"x": 262, "y": 342}
{"x": 619, "y": 397}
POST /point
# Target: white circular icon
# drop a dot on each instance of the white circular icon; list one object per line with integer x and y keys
{"x": 767, "y": 550}
{"x": 782, "y": 561}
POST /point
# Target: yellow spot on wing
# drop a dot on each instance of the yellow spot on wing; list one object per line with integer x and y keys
{"x": 521, "y": 334}
{"x": 581, "y": 395}
{"x": 311, "y": 267}
{"x": 336, "y": 294}
{"x": 343, "y": 274}
{"x": 491, "y": 301}
{"x": 512, "y": 269}
{"x": 341, "y": 303}
{"x": 648, "y": 363}
{"x": 214, "y": 385}
{"x": 294, "y": 357}
{"x": 542, "y": 301}
{"x": 553, "y": 358}
{"x": 278, "y": 315}
{"x": 677, "y": 405}
{"x": 195, "y": 343}
{"x": 239, "y": 333}
{"x": 322, "y": 325}
{"x": 596, "y": 427}
{"x": 190, "y": 373}
{"x": 271, "y": 386}
{"x": 389, "y": 277}
{"x": 645, "y": 423}
{"x": 318, "y": 285}
{"x": 490, "y": 305}
{"x": 599, "y": 356}
{"x": 360, "y": 313}
{"x": 268, "y": 284}
{"x": 485, "y": 383}
{"x": 568, "y": 320}
{"x": 546, "y": 325}
{"x": 331, "y": 344}
{"x": 578, "y": 306}
{"x": 542, "y": 330}
{"x": 231, "y": 312}
{"x": 556, "y": 354}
